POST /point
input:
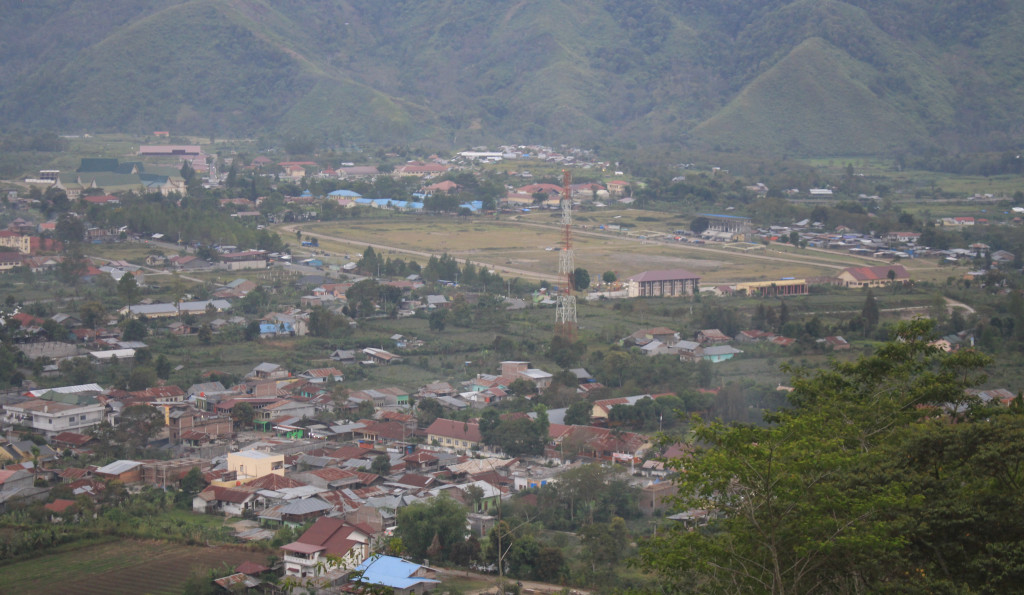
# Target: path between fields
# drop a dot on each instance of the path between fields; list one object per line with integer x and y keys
{"x": 809, "y": 260}
{"x": 527, "y": 586}
{"x": 953, "y": 304}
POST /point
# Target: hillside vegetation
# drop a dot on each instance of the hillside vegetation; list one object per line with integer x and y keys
{"x": 802, "y": 77}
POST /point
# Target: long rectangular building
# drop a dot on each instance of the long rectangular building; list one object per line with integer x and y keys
{"x": 779, "y": 287}
{"x": 665, "y": 283}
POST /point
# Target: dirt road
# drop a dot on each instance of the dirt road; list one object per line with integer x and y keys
{"x": 526, "y": 586}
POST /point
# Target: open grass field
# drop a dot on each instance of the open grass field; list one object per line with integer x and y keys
{"x": 119, "y": 567}
{"x": 528, "y": 247}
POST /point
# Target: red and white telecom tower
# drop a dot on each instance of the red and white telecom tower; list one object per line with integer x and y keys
{"x": 565, "y": 302}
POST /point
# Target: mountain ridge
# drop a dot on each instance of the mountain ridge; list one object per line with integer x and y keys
{"x": 700, "y": 74}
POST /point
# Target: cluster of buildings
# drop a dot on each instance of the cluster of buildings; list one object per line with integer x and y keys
{"x": 711, "y": 345}
{"x": 348, "y": 478}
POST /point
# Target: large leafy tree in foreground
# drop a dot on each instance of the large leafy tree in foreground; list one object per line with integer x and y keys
{"x": 883, "y": 476}
{"x": 432, "y": 529}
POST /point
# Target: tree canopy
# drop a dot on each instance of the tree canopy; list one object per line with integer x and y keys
{"x": 421, "y": 524}
{"x": 885, "y": 475}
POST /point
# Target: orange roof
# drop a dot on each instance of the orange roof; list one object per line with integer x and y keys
{"x": 460, "y": 430}
{"x": 59, "y": 505}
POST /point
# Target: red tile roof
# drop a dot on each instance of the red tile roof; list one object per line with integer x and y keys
{"x": 72, "y": 438}
{"x": 59, "y": 505}
{"x": 274, "y": 482}
{"x": 251, "y": 568}
{"x": 879, "y": 273}
{"x": 73, "y": 473}
{"x": 460, "y": 430}
{"x": 416, "y": 480}
{"x": 333, "y": 473}
{"x": 334, "y": 535}
{"x": 390, "y": 430}
{"x": 232, "y": 495}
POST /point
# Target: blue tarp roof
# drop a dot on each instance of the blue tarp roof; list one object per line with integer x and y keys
{"x": 390, "y": 572}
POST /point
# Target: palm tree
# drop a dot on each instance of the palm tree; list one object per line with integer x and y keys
{"x": 35, "y": 463}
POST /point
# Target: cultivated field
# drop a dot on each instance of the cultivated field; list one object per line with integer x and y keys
{"x": 119, "y": 567}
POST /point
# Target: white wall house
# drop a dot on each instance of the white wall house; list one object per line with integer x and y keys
{"x": 54, "y": 417}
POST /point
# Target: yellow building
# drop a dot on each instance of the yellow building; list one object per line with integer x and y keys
{"x": 21, "y": 243}
{"x": 779, "y": 287}
{"x": 253, "y": 464}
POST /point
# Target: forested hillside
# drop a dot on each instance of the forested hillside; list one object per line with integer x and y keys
{"x": 810, "y": 77}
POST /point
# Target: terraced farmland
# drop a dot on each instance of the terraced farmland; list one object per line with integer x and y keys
{"x": 119, "y": 567}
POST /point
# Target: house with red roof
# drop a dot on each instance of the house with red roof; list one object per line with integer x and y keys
{"x": 307, "y": 555}
{"x": 423, "y": 170}
{"x": 319, "y": 375}
{"x": 231, "y": 501}
{"x": 878, "y": 276}
{"x": 374, "y": 432}
{"x": 618, "y": 188}
{"x": 549, "y": 189}
{"x": 104, "y": 199}
{"x": 441, "y": 187}
{"x": 454, "y": 435}
{"x": 600, "y": 444}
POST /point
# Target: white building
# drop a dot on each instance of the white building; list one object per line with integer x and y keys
{"x": 54, "y": 417}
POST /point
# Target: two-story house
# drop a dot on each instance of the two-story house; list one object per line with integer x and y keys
{"x": 307, "y": 556}
{"x": 51, "y": 417}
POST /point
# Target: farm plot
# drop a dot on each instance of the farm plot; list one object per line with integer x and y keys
{"x": 119, "y": 567}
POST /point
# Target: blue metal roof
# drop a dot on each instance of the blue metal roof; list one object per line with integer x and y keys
{"x": 390, "y": 572}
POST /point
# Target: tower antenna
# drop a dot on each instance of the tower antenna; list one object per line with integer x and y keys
{"x": 565, "y": 303}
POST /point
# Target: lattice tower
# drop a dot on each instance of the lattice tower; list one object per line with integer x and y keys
{"x": 565, "y": 302}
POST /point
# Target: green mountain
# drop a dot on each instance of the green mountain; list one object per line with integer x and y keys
{"x": 806, "y": 77}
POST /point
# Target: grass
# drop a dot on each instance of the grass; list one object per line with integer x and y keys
{"x": 527, "y": 247}
{"x": 457, "y": 583}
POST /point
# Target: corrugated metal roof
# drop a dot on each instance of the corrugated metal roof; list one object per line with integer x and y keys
{"x": 77, "y": 388}
{"x": 390, "y": 572}
{"x": 306, "y": 506}
{"x": 118, "y": 467}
